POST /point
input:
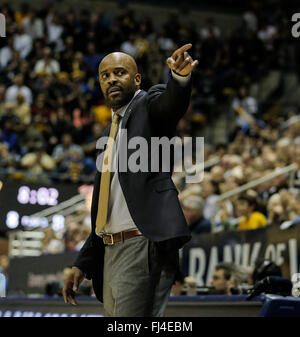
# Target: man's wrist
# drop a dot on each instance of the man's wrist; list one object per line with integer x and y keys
{"x": 173, "y": 71}
{"x": 183, "y": 80}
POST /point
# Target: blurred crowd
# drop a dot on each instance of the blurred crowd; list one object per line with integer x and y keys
{"x": 252, "y": 155}
{"x": 51, "y": 107}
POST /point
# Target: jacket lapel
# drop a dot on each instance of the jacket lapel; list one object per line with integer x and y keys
{"x": 130, "y": 108}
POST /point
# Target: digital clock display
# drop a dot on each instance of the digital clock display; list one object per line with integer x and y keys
{"x": 18, "y": 201}
{"x": 43, "y": 196}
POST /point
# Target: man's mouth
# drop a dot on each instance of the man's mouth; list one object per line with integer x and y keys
{"x": 114, "y": 91}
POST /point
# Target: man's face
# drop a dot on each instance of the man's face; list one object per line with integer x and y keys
{"x": 218, "y": 280}
{"x": 207, "y": 189}
{"x": 19, "y": 80}
{"x": 243, "y": 208}
{"x": 118, "y": 80}
{"x": 67, "y": 140}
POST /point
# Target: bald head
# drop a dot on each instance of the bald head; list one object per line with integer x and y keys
{"x": 120, "y": 58}
{"x": 119, "y": 79}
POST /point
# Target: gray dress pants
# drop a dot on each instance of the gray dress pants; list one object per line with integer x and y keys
{"x": 135, "y": 282}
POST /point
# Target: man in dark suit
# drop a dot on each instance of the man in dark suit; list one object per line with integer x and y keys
{"x": 138, "y": 225}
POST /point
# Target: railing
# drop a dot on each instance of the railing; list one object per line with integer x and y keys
{"x": 25, "y": 243}
{"x": 64, "y": 208}
{"x": 277, "y": 172}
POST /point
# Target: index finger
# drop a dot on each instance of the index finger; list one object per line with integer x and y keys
{"x": 182, "y": 49}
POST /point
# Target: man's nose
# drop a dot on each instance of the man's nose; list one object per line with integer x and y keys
{"x": 112, "y": 79}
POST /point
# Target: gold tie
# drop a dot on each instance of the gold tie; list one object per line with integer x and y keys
{"x": 105, "y": 176}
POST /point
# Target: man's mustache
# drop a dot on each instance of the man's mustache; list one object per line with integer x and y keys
{"x": 113, "y": 87}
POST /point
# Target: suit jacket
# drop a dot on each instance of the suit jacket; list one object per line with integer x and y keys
{"x": 151, "y": 197}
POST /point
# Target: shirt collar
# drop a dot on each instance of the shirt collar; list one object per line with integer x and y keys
{"x": 122, "y": 110}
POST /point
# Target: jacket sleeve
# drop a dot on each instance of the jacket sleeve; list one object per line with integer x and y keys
{"x": 168, "y": 103}
{"x": 85, "y": 258}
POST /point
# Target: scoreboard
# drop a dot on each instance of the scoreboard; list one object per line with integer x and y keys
{"x": 20, "y": 200}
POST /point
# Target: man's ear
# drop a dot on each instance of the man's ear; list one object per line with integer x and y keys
{"x": 138, "y": 79}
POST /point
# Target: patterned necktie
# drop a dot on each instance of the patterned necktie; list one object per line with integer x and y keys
{"x": 105, "y": 176}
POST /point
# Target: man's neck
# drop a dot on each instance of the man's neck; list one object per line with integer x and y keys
{"x": 123, "y": 108}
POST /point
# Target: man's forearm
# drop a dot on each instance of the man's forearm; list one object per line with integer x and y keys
{"x": 85, "y": 258}
{"x": 170, "y": 104}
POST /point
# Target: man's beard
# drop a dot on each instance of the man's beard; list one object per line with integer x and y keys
{"x": 124, "y": 98}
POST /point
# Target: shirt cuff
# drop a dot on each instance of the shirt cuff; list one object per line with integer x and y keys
{"x": 183, "y": 80}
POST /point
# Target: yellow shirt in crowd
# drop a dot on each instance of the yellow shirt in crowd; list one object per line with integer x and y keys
{"x": 255, "y": 220}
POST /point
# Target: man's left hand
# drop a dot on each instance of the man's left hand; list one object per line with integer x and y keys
{"x": 181, "y": 62}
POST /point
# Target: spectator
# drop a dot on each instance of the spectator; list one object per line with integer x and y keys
{"x": 246, "y": 107}
{"x": 89, "y": 147}
{"x": 210, "y": 30}
{"x": 6, "y": 53}
{"x": 267, "y": 34}
{"x": 129, "y": 46}
{"x": 64, "y": 151}
{"x": 251, "y": 20}
{"x": 47, "y": 65}
{"x": 193, "y": 210}
{"x": 23, "y": 13}
{"x": 22, "y": 110}
{"x": 18, "y": 88}
{"x": 60, "y": 123}
{"x": 71, "y": 236}
{"x": 30, "y": 139}
{"x": 92, "y": 59}
{"x": 33, "y": 26}
{"x": 209, "y": 193}
{"x": 221, "y": 276}
{"x": 6, "y": 158}
{"x": 4, "y": 264}
{"x": 275, "y": 210}
{"x": 55, "y": 31}
{"x": 22, "y": 42}
{"x": 164, "y": 42}
{"x": 78, "y": 66}
{"x": 251, "y": 218}
{"x": 241, "y": 277}
{"x": 191, "y": 286}
{"x": 51, "y": 244}
{"x": 2, "y": 100}
{"x": 38, "y": 161}
{"x": 84, "y": 232}
{"x": 8, "y": 123}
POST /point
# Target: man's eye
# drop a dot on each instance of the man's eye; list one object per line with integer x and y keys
{"x": 120, "y": 72}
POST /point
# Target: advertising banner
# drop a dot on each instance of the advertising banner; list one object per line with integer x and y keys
{"x": 203, "y": 252}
